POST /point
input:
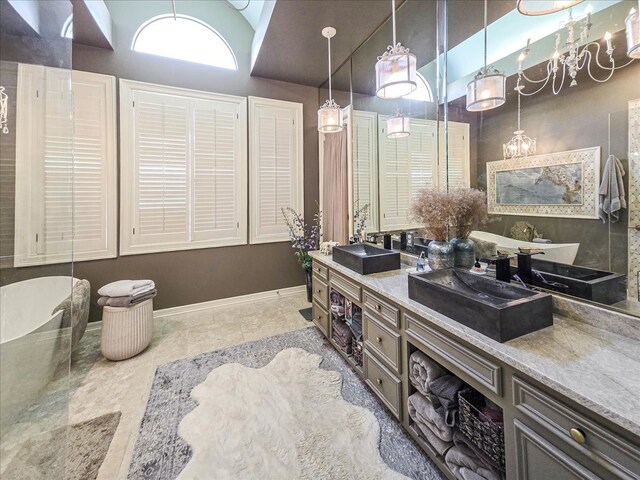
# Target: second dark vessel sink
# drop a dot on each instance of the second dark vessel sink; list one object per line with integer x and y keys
{"x": 499, "y": 310}
{"x": 365, "y": 259}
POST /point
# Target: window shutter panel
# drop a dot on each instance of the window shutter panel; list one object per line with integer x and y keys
{"x": 364, "y": 165}
{"x": 161, "y": 150}
{"x": 276, "y": 167}
{"x": 394, "y": 179}
{"x": 456, "y": 170}
{"x": 424, "y": 159}
{"x": 215, "y": 170}
{"x": 94, "y": 166}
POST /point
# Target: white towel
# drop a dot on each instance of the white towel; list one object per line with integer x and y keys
{"x": 612, "y": 191}
{"x": 126, "y": 288}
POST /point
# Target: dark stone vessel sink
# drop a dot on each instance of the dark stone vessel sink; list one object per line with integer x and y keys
{"x": 499, "y": 310}
{"x": 582, "y": 282}
{"x": 365, "y": 259}
{"x": 419, "y": 246}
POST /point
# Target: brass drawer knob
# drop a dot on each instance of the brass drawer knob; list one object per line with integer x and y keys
{"x": 319, "y": 317}
{"x": 378, "y": 307}
{"x": 378, "y": 339}
{"x": 577, "y": 435}
{"x": 318, "y": 291}
{"x": 379, "y": 381}
{"x": 318, "y": 270}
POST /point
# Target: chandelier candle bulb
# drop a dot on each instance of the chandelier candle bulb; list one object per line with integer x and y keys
{"x": 607, "y": 37}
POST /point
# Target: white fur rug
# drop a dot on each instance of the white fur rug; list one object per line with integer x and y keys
{"x": 284, "y": 421}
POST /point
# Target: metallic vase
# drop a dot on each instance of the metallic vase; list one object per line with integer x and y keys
{"x": 440, "y": 255}
{"x": 464, "y": 252}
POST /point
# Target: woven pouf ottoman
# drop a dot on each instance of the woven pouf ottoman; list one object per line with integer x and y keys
{"x": 126, "y": 331}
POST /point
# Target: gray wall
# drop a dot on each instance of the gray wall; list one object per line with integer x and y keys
{"x": 576, "y": 118}
{"x": 193, "y": 276}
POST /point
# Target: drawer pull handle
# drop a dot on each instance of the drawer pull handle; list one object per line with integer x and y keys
{"x": 577, "y": 435}
{"x": 378, "y": 307}
{"x": 379, "y": 381}
{"x": 378, "y": 339}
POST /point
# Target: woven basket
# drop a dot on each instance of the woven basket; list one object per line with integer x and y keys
{"x": 356, "y": 351}
{"x": 126, "y": 331}
{"x": 485, "y": 434}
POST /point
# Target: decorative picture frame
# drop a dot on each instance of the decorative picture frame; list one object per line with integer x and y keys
{"x": 563, "y": 184}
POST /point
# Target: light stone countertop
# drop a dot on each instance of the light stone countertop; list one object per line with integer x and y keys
{"x": 594, "y": 367}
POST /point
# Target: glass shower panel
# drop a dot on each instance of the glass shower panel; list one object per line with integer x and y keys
{"x": 36, "y": 212}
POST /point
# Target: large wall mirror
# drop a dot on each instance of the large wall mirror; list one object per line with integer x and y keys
{"x": 578, "y": 146}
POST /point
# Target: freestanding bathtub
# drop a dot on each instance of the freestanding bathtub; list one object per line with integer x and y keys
{"x": 553, "y": 252}
{"x": 33, "y": 341}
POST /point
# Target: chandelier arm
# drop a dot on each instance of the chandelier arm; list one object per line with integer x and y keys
{"x": 546, "y": 81}
{"x": 553, "y": 85}
{"x": 611, "y": 71}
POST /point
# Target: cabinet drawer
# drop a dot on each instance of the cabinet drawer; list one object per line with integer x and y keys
{"x": 321, "y": 271}
{"x": 382, "y": 310}
{"x": 321, "y": 292}
{"x": 383, "y": 341}
{"x": 450, "y": 352}
{"x": 321, "y": 318}
{"x": 620, "y": 457}
{"x": 346, "y": 287}
{"x": 384, "y": 383}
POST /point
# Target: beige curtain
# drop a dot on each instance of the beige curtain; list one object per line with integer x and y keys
{"x": 335, "y": 194}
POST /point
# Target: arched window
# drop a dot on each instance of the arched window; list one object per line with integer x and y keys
{"x": 423, "y": 92}
{"x": 67, "y": 28}
{"x": 184, "y": 38}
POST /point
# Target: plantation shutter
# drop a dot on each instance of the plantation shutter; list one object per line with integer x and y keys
{"x": 215, "y": 173}
{"x": 94, "y": 166}
{"x": 161, "y": 168}
{"x": 394, "y": 179}
{"x": 275, "y": 166}
{"x": 364, "y": 165}
{"x": 455, "y": 171}
{"x": 423, "y": 151}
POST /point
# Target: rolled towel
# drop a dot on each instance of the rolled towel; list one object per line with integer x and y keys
{"x": 422, "y": 411}
{"x": 466, "y": 465}
{"x": 126, "y": 301}
{"x": 443, "y": 393}
{"x": 423, "y": 370}
{"x": 126, "y": 288}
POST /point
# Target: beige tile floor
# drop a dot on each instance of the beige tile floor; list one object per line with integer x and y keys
{"x": 105, "y": 386}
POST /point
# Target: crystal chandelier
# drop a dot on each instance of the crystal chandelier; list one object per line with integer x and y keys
{"x": 395, "y": 68}
{"x": 569, "y": 58}
{"x": 544, "y": 7}
{"x": 487, "y": 89}
{"x": 398, "y": 126}
{"x": 329, "y": 114}
{"x": 4, "y": 111}
{"x": 520, "y": 145}
{"x": 632, "y": 24}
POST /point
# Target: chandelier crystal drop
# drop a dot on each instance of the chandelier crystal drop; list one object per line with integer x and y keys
{"x": 488, "y": 88}
{"x": 395, "y": 68}
{"x": 520, "y": 146}
{"x": 330, "y": 114}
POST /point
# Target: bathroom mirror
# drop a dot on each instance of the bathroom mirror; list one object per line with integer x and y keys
{"x": 546, "y": 199}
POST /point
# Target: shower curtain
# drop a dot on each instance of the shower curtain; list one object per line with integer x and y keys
{"x": 335, "y": 194}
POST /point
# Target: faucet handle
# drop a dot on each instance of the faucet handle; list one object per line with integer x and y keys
{"x": 530, "y": 251}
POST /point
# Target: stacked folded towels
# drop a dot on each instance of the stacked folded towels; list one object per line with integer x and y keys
{"x": 467, "y": 462}
{"x": 125, "y": 293}
{"x": 429, "y": 423}
{"x": 342, "y": 335}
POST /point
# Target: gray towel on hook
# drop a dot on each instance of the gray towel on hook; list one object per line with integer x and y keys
{"x": 612, "y": 191}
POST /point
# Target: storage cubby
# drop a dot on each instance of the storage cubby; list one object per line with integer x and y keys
{"x": 346, "y": 328}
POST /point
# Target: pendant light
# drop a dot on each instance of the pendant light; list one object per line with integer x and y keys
{"x": 395, "y": 68}
{"x": 520, "y": 145}
{"x": 398, "y": 126}
{"x": 487, "y": 89}
{"x": 544, "y": 7}
{"x": 632, "y": 23}
{"x": 329, "y": 114}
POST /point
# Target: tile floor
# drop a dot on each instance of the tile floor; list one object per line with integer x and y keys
{"x": 99, "y": 386}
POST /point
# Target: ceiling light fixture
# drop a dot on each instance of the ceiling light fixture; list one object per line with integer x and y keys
{"x": 487, "y": 89}
{"x": 544, "y": 7}
{"x": 329, "y": 114}
{"x": 398, "y": 126}
{"x": 520, "y": 145}
{"x": 395, "y": 68}
{"x": 632, "y": 23}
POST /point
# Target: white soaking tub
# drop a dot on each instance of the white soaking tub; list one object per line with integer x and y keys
{"x": 554, "y": 252}
{"x": 32, "y": 340}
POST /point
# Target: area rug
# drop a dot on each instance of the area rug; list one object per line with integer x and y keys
{"x": 161, "y": 453}
{"x": 87, "y": 445}
{"x": 307, "y": 313}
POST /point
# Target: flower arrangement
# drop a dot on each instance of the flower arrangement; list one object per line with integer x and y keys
{"x": 304, "y": 238}
{"x": 432, "y": 208}
{"x": 469, "y": 210}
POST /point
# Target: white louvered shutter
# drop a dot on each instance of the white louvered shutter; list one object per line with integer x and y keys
{"x": 455, "y": 172}
{"x": 275, "y": 166}
{"x": 161, "y": 169}
{"x": 423, "y": 151}
{"x": 365, "y": 165}
{"x": 216, "y": 190}
{"x": 94, "y": 166}
{"x": 394, "y": 179}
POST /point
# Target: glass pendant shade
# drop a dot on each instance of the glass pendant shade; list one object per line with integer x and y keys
{"x": 632, "y": 23}
{"x": 544, "y": 7}
{"x": 396, "y": 73}
{"x": 330, "y": 118}
{"x": 398, "y": 126}
{"x": 486, "y": 91}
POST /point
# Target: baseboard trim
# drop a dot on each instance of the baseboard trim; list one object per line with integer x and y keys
{"x": 226, "y": 302}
